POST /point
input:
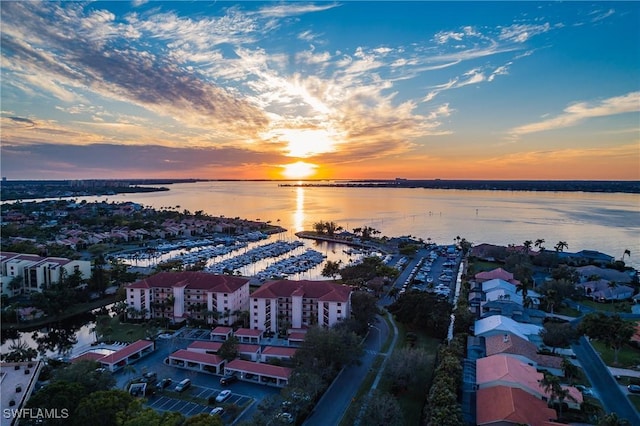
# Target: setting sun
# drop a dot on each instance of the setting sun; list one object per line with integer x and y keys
{"x": 298, "y": 170}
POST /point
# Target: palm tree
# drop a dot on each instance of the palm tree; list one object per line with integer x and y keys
{"x": 550, "y": 298}
{"x": 569, "y": 369}
{"x": 561, "y": 246}
{"x": 553, "y": 388}
{"x": 539, "y": 243}
{"x": 612, "y": 419}
{"x": 523, "y": 288}
{"x": 19, "y": 351}
{"x": 627, "y": 252}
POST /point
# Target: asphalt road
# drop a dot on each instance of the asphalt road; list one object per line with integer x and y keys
{"x": 333, "y": 405}
{"x": 605, "y": 386}
{"x": 335, "y": 401}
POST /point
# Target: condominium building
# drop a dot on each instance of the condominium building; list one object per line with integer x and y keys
{"x": 182, "y": 295}
{"x": 278, "y": 306}
{"x": 30, "y": 273}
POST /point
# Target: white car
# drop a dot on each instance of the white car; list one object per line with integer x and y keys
{"x": 222, "y": 396}
{"x": 217, "y": 411}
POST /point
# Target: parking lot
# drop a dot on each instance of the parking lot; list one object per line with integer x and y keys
{"x": 164, "y": 401}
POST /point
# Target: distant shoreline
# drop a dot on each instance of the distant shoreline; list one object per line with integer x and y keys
{"x": 630, "y": 187}
{"x": 11, "y": 190}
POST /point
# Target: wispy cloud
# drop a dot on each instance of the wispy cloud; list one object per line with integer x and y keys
{"x": 291, "y": 9}
{"x": 578, "y": 112}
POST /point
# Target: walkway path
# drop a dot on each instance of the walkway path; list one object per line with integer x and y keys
{"x": 624, "y": 372}
{"x": 336, "y": 400}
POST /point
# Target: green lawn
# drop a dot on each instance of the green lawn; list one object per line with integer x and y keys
{"x": 482, "y": 265}
{"x": 570, "y": 312}
{"x": 110, "y": 329}
{"x": 628, "y": 357}
{"x": 635, "y": 400}
{"x": 607, "y": 307}
{"x": 412, "y": 400}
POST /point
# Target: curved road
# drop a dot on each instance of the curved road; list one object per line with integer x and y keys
{"x": 606, "y": 387}
{"x": 335, "y": 401}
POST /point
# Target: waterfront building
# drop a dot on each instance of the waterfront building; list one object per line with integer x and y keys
{"x": 278, "y": 306}
{"x": 29, "y": 273}
{"x": 190, "y": 294}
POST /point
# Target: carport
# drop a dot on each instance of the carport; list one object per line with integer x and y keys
{"x": 277, "y": 352}
{"x": 197, "y": 361}
{"x": 127, "y": 355}
{"x": 247, "y": 335}
{"x": 259, "y": 373}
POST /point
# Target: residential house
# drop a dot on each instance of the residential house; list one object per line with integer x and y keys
{"x": 499, "y": 289}
{"x": 499, "y": 324}
{"x": 585, "y": 257}
{"x": 504, "y": 405}
{"x": 604, "y": 290}
{"x": 513, "y": 310}
{"x": 504, "y": 370}
{"x": 591, "y": 272}
{"x": 493, "y": 274}
{"x": 522, "y": 349}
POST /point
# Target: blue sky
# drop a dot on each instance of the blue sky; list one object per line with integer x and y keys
{"x": 458, "y": 90}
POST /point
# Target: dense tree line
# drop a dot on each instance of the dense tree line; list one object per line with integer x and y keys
{"x": 442, "y": 408}
{"x": 423, "y": 311}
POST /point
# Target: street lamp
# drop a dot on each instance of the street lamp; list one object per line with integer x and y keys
{"x": 379, "y": 339}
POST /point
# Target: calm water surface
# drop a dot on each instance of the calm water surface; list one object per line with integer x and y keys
{"x": 606, "y": 222}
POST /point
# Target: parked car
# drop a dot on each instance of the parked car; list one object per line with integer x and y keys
{"x": 634, "y": 388}
{"x": 183, "y": 385}
{"x": 164, "y": 383}
{"x": 223, "y": 396}
{"x": 227, "y": 380}
{"x": 217, "y": 411}
{"x": 285, "y": 417}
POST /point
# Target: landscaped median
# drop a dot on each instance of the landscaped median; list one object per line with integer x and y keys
{"x": 401, "y": 387}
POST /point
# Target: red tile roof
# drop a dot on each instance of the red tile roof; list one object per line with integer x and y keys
{"x": 320, "y": 290}
{"x": 206, "y": 346}
{"x": 127, "y": 351}
{"x": 505, "y": 370}
{"x": 509, "y": 343}
{"x": 493, "y": 274}
{"x": 92, "y": 356}
{"x": 278, "y": 351}
{"x": 222, "y": 330}
{"x": 260, "y": 368}
{"x": 248, "y": 349}
{"x": 192, "y": 280}
{"x": 193, "y": 356}
{"x": 513, "y": 405}
{"x": 248, "y": 332}
{"x": 297, "y": 336}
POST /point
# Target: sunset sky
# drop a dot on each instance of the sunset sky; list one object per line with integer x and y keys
{"x": 340, "y": 90}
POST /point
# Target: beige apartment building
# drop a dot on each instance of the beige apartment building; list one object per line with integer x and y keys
{"x": 30, "y": 273}
{"x": 279, "y": 306}
{"x": 182, "y": 295}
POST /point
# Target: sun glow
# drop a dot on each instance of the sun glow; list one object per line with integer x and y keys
{"x": 299, "y": 170}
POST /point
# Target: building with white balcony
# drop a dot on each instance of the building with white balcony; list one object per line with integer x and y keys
{"x": 30, "y": 273}
{"x": 278, "y": 306}
{"x": 181, "y": 295}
